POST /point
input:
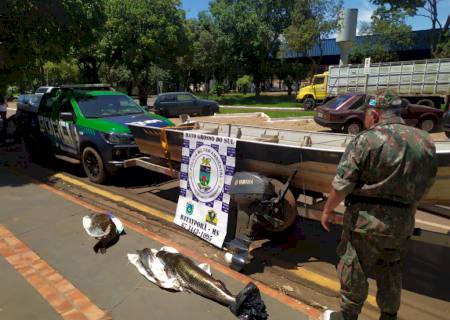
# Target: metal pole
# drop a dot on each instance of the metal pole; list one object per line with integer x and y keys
{"x": 343, "y": 61}
{"x": 366, "y": 83}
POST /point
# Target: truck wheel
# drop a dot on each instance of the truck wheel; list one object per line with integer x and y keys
{"x": 93, "y": 165}
{"x": 309, "y": 104}
{"x": 287, "y": 212}
{"x": 353, "y": 127}
{"x": 426, "y": 102}
{"x": 427, "y": 124}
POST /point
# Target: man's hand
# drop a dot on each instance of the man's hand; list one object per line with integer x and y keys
{"x": 327, "y": 219}
{"x": 333, "y": 201}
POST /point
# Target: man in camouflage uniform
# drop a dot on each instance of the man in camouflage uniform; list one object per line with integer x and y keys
{"x": 383, "y": 173}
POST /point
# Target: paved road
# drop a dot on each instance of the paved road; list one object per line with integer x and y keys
{"x": 308, "y": 255}
{"x": 41, "y": 237}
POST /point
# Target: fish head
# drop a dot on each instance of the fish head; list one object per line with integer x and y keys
{"x": 97, "y": 225}
{"x": 146, "y": 257}
{"x": 166, "y": 255}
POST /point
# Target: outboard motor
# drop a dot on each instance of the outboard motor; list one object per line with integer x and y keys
{"x": 259, "y": 201}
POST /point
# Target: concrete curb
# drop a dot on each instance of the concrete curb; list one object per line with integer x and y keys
{"x": 305, "y": 118}
{"x": 263, "y": 108}
{"x": 242, "y": 115}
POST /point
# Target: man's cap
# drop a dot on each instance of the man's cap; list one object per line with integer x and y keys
{"x": 384, "y": 99}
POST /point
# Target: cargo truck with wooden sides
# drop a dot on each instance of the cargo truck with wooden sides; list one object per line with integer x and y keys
{"x": 424, "y": 82}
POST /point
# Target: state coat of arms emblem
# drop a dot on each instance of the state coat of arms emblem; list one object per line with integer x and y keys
{"x": 205, "y": 174}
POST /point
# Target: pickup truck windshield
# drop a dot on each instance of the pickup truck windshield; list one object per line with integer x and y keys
{"x": 107, "y": 106}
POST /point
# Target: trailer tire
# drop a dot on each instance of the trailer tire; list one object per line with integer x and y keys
{"x": 309, "y": 104}
{"x": 289, "y": 206}
{"x": 427, "y": 102}
{"x": 93, "y": 165}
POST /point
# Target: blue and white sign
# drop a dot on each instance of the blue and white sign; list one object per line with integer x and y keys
{"x": 207, "y": 167}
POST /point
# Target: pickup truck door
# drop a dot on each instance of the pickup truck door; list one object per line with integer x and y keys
{"x": 67, "y": 131}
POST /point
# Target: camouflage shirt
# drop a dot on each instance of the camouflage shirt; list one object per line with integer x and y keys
{"x": 390, "y": 161}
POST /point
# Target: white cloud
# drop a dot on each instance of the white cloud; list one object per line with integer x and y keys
{"x": 365, "y": 12}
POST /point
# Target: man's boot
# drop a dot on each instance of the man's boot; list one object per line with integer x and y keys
{"x": 388, "y": 316}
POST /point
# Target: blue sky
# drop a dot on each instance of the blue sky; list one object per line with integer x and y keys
{"x": 192, "y": 8}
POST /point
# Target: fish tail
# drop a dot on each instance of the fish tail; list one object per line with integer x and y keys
{"x": 249, "y": 305}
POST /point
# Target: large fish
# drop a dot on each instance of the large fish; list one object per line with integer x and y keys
{"x": 171, "y": 270}
{"x": 105, "y": 227}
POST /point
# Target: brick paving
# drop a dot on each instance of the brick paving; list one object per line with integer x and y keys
{"x": 64, "y": 297}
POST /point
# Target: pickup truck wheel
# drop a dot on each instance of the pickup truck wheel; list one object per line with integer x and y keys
{"x": 309, "y": 104}
{"x": 427, "y": 124}
{"x": 93, "y": 165}
{"x": 353, "y": 127}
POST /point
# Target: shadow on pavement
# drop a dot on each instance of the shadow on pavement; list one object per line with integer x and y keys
{"x": 425, "y": 269}
{"x": 15, "y": 158}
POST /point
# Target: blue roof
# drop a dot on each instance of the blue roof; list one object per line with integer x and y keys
{"x": 421, "y": 41}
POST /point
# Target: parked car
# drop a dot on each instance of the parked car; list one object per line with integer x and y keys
{"x": 446, "y": 123}
{"x": 344, "y": 114}
{"x": 84, "y": 127}
{"x": 176, "y": 103}
{"x": 29, "y": 101}
{"x": 80, "y": 87}
{"x": 45, "y": 89}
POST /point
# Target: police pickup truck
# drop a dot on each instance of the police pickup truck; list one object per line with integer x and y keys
{"x": 84, "y": 124}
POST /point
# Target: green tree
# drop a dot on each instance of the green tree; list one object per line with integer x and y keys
{"x": 36, "y": 31}
{"x": 250, "y": 30}
{"x": 290, "y": 72}
{"x": 207, "y": 52}
{"x": 386, "y": 31}
{"x": 87, "y": 50}
{"x": 244, "y": 83}
{"x": 65, "y": 71}
{"x": 429, "y": 9}
{"x": 141, "y": 34}
{"x": 312, "y": 21}
{"x": 117, "y": 75}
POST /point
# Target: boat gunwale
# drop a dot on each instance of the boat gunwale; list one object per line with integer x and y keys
{"x": 330, "y": 149}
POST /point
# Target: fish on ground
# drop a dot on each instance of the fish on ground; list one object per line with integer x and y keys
{"x": 104, "y": 227}
{"x": 172, "y": 271}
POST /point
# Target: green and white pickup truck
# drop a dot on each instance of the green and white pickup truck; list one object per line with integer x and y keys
{"x": 84, "y": 125}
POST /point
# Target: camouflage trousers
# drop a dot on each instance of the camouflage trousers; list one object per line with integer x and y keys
{"x": 362, "y": 254}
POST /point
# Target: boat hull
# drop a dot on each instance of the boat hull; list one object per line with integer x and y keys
{"x": 316, "y": 166}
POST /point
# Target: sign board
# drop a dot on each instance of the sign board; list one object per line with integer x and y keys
{"x": 160, "y": 86}
{"x": 207, "y": 167}
{"x": 367, "y": 66}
